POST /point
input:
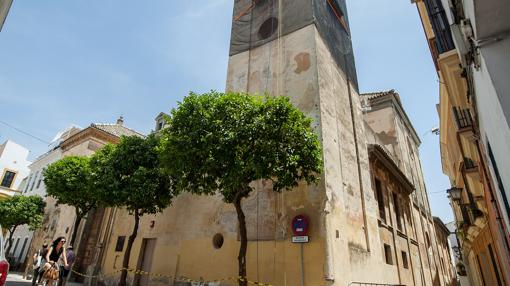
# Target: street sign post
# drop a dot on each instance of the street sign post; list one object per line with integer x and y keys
{"x": 300, "y": 226}
{"x": 300, "y": 239}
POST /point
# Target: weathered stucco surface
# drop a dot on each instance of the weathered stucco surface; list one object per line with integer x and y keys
{"x": 304, "y": 70}
{"x": 386, "y": 116}
{"x": 346, "y": 242}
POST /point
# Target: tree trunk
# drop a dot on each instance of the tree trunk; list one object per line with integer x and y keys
{"x": 75, "y": 229}
{"x": 11, "y": 232}
{"x": 125, "y": 262}
{"x": 241, "y": 258}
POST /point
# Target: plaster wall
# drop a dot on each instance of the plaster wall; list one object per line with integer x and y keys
{"x": 401, "y": 240}
{"x": 397, "y": 139}
{"x": 35, "y": 182}
{"x": 34, "y": 186}
{"x": 20, "y": 247}
{"x": 389, "y": 125}
{"x": 338, "y": 252}
{"x": 13, "y": 157}
{"x": 494, "y": 130}
{"x": 364, "y": 247}
{"x": 445, "y": 256}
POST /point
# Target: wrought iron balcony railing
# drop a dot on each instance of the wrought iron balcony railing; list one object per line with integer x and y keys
{"x": 462, "y": 118}
{"x": 469, "y": 164}
{"x": 443, "y": 41}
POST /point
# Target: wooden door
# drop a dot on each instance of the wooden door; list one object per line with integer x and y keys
{"x": 145, "y": 261}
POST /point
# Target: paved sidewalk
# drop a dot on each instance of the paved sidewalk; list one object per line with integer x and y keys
{"x": 16, "y": 279}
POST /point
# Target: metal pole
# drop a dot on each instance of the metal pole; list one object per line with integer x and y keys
{"x": 302, "y": 265}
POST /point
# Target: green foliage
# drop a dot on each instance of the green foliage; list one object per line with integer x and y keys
{"x": 20, "y": 210}
{"x": 222, "y": 142}
{"x": 128, "y": 175}
{"x": 68, "y": 181}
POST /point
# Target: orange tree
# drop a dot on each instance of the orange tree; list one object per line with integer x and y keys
{"x": 68, "y": 181}
{"x": 128, "y": 175}
{"x": 20, "y": 210}
{"x": 220, "y": 143}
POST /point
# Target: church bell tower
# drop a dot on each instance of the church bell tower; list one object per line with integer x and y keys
{"x": 302, "y": 49}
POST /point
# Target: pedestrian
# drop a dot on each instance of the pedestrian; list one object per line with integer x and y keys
{"x": 55, "y": 253}
{"x": 39, "y": 261}
{"x": 66, "y": 269}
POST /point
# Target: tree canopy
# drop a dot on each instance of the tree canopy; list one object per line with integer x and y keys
{"x": 20, "y": 210}
{"x": 220, "y": 143}
{"x": 129, "y": 175}
{"x": 68, "y": 181}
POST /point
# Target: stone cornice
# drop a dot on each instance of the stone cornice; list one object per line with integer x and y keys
{"x": 89, "y": 132}
{"x": 377, "y": 154}
{"x": 390, "y": 98}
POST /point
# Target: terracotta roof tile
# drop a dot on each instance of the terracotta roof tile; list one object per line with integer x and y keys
{"x": 374, "y": 95}
{"x": 116, "y": 129}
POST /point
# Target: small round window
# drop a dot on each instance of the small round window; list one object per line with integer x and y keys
{"x": 268, "y": 28}
{"x": 217, "y": 240}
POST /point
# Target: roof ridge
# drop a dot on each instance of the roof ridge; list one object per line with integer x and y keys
{"x": 99, "y": 125}
{"x": 378, "y": 92}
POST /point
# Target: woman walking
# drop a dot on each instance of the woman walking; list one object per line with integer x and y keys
{"x": 56, "y": 252}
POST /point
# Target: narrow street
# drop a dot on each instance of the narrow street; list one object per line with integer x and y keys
{"x": 16, "y": 279}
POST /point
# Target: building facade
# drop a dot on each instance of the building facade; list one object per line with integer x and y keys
{"x": 467, "y": 43}
{"x": 460, "y": 268}
{"x": 13, "y": 167}
{"x": 59, "y": 220}
{"x": 5, "y": 6}
{"x": 33, "y": 184}
{"x": 300, "y": 49}
{"x": 407, "y": 228}
{"x": 445, "y": 251}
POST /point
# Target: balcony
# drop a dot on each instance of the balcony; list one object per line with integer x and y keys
{"x": 466, "y": 218}
{"x": 463, "y": 118}
{"x": 438, "y": 19}
{"x": 470, "y": 165}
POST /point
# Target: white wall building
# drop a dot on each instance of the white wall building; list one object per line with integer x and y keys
{"x": 34, "y": 185}
{"x": 491, "y": 25}
{"x": 13, "y": 167}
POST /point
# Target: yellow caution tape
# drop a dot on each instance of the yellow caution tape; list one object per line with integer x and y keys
{"x": 180, "y": 279}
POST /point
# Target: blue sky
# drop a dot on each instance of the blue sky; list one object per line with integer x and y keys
{"x": 77, "y": 62}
